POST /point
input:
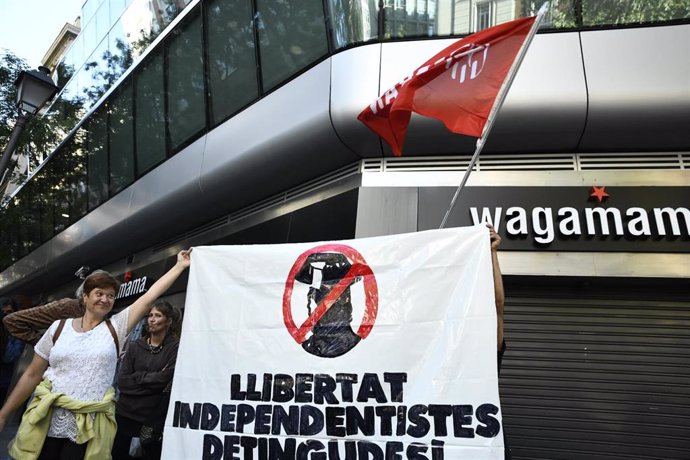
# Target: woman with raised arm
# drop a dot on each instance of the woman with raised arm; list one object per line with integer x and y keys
{"x": 72, "y": 414}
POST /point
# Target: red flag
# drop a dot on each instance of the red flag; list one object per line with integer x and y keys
{"x": 458, "y": 85}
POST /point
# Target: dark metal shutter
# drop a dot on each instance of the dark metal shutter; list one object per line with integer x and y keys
{"x": 597, "y": 373}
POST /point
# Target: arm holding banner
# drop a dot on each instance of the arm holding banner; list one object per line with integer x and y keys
{"x": 143, "y": 304}
{"x": 499, "y": 294}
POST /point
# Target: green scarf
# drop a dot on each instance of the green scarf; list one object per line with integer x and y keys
{"x": 99, "y": 433}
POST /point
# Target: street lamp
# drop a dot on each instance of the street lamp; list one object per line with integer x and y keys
{"x": 34, "y": 89}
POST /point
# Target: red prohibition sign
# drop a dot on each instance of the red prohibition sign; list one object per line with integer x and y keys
{"x": 359, "y": 268}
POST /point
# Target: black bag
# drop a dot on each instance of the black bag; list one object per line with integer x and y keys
{"x": 151, "y": 434}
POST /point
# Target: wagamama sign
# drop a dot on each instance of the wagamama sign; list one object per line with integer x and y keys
{"x": 380, "y": 348}
{"x": 544, "y": 222}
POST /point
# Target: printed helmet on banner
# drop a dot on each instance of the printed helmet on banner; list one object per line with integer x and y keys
{"x": 332, "y": 335}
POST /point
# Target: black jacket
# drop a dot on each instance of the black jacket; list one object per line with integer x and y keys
{"x": 143, "y": 376}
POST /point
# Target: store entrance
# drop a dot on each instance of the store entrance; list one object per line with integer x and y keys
{"x": 597, "y": 368}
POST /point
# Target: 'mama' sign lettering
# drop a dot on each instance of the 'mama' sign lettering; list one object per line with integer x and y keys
{"x": 133, "y": 287}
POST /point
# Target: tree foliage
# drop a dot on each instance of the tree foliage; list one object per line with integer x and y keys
{"x": 587, "y": 13}
{"x": 41, "y": 134}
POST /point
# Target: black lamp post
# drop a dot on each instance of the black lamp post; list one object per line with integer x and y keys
{"x": 34, "y": 89}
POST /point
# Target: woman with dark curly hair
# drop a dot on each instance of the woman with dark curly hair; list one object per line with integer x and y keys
{"x": 146, "y": 371}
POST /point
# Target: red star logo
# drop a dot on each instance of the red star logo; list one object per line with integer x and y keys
{"x": 599, "y": 193}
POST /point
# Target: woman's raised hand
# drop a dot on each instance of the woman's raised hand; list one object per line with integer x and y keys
{"x": 184, "y": 257}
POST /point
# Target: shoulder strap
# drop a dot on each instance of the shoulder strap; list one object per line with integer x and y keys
{"x": 112, "y": 332}
{"x": 58, "y": 331}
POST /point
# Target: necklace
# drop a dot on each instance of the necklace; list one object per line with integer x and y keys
{"x": 154, "y": 349}
{"x": 82, "y": 325}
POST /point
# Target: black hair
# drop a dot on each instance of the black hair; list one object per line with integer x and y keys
{"x": 169, "y": 311}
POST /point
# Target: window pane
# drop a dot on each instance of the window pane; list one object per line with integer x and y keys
{"x": 32, "y": 211}
{"x": 89, "y": 9}
{"x": 138, "y": 25}
{"x": 150, "y": 119}
{"x": 353, "y": 21}
{"x": 117, "y": 7}
{"x": 483, "y": 17}
{"x": 90, "y": 37}
{"x": 168, "y": 10}
{"x": 69, "y": 166}
{"x": 102, "y": 20}
{"x": 119, "y": 53}
{"x": 9, "y": 233}
{"x": 97, "y": 158}
{"x": 121, "y": 140}
{"x": 186, "y": 109}
{"x": 292, "y": 35}
{"x": 601, "y": 12}
{"x": 232, "y": 57}
{"x": 61, "y": 191}
{"x": 409, "y": 19}
{"x": 45, "y": 198}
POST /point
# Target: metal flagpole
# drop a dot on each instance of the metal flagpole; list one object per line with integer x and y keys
{"x": 500, "y": 98}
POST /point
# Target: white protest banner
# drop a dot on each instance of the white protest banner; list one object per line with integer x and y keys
{"x": 377, "y": 348}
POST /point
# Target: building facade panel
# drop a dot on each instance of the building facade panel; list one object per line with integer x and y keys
{"x": 271, "y": 152}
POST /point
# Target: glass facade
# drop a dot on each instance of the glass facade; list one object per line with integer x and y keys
{"x": 232, "y": 76}
{"x": 121, "y": 139}
{"x": 291, "y": 36}
{"x": 223, "y": 56}
{"x": 95, "y": 135}
{"x": 150, "y": 114}
{"x": 186, "y": 114}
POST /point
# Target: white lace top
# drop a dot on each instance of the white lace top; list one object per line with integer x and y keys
{"x": 80, "y": 365}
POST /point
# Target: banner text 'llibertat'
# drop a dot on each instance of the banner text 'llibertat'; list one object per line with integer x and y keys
{"x": 316, "y": 416}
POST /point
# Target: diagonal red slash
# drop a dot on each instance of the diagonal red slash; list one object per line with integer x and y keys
{"x": 326, "y": 303}
{"x": 370, "y": 292}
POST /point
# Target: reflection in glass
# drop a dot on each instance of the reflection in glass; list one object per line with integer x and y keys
{"x": 600, "y": 12}
{"x": 409, "y": 19}
{"x": 117, "y": 7}
{"x": 167, "y": 10}
{"x": 29, "y": 207}
{"x": 102, "y": 20}
{"x": 68, "y": 174}
{"x": 45, "y": 200}
{"x": 98, "y": 74}
{"x": 78, "y": 183}
{"x": 186, "y": 107}
{"x": 292, "y": 35}
{"x": 8, "y": 233}
{"x": 88, "y": 10}
{"x": 137, "y": 26}
{"x": 353, "y": 21}
{"x": 97, "y": 159}
{"x": 69, "y": 107}
{"x": 150, "y": 115}
{"x": 121, "y": 140}
{"x": 483, "y": 16}
{"x": 120, "y": 56}
{"x": 232, "y": 58}
{"x": 88, "y": 32}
